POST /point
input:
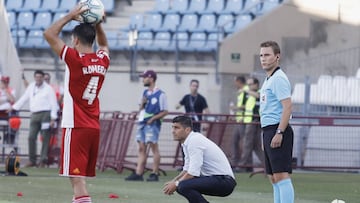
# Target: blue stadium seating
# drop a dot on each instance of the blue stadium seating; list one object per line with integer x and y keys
{"x": 161, "y": 6}
{"x": 211, "y": 43}
{"x": 188, "y": 23}
{"x": 180, "y": 40}
{"x": 152, "y": 22}
{"x": 266, "y": 7}
{"x": 136, "y": 22}
{"x": 68, "y": 27}
{"x": 144, "y": 40}
{"x": 207, "y": 23}
{"x": 171, "y": 21}
{"x": 123, "y": 41}
{"x": 13, "y": 5}
{"x": 109, "y": 6}
{"x": 42, "y": 20}
{"x": 241, "y": 21}
{"x": 49, "y": 5}
{"x": 118, "y": 41}
{"x": 196, "y": 6}
{"x": 196, "y": 41}
{"x": 226, "y": 22}
{"x": 66, "y": 5}
{"x": 18, "y": 35}
{"x": 178, "y": 6}
{"x": 11, "y": 19}
{"x": 35, "y": 39}
{"x": 214, "y": 7}
{"x": 233, "y": 7}
{"x": 162, "y": 42}
{"x": 31, "y": 5}
{"x": 252, "y": 6}
{"x": 26, "y": 19}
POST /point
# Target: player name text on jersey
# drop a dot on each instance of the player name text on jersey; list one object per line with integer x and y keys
{"x": 94, "y": 69}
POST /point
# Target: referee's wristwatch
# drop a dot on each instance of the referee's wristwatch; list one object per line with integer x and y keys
{"x": 279, "y": 131}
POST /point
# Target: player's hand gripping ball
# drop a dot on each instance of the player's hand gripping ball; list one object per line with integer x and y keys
{"x": 95, "y": 12}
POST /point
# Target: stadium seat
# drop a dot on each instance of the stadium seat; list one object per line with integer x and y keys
{"x": 340, "y": 91}
{"x": 298, "y": 94}
{"x": 11, "y": 19}
{"x": 136, "y": 22}
{"x": 196, "y": 6}
{"x": 68, "y": 27}
{"x": 233, "y": 7}
{"x": 27, "y": 19}
{"x": 49, "y": 5}
{"x": 180, "y": 40}
{"x": 19, "y": 37}
{"x": 207, "y": 23}
{"x": 315, "y": 97}
{"x": 353, "y": 86}
{"x": 14, "y": 5}
{"x": 252, "y": 6}
{"x": 211, "y": 43}
{"x": 226, "y": 21}
{"x": 152, "y": 22}
{"x": 178, "y": 6}
{"x": 171, "y": 21}
{"x": 32, "y": 5}
{"x": 214, "y": 7}
{"x": 241, "y": 21}
{"x": 144, "y": 40}
{"x": 35, "y": 39}
{"x": 162, "y": 42}
{"x": 112, "y": 37}
{"x": 42, "y": 20}
{"x": 358, "y": 73}
{"x": 161, "y": 6}
{"x": 266, "y": 6}
{"x": 196, "y": 41}
{"x": 66, "y": 5}
{"x": 123, "y": 41}
{"x": 109, "y": 6}
{"x": 188, "y": 23}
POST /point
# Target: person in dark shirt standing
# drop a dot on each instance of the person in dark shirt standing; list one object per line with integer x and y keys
{"x": 195, "y": 105}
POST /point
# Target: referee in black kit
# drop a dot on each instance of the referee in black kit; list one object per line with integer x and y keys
{"x": 206, "y": 169}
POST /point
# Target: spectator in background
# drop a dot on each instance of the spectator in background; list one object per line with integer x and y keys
{"x": 43, "y": 108}
{"x": 153, "y": 108}
{"x": 195, "y": 105}
{"x": 275, "y": 111}
{"x": 206, "y": 170}
{"x": 238, "y": 109}
{"x": 252, "y": 136}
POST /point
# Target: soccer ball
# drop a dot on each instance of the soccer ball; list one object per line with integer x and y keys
{"x": 95, "y": 12}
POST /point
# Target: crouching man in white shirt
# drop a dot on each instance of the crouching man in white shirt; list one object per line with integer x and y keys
{"x": 206, "y": 169}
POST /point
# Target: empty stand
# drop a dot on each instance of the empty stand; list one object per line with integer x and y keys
{"x": 35, "y": 39}
{"x": 14, "y": 5}
{"x": 358, "y": 73}
{"x": 298, "y": 94}
{"x": 196, "y": 42}
{"x": 162, "y": 42}
{"x": 11, "y": 19}
{"x": 42, "y": 20}
{"x": 266, "y": 6}
{"x": 19, "y": 37}
{"x": 49, "y": 5}
{"x": 136, "y": 21}
{"x": 226, "y": 22}
{"x": 214, "y": 7}
{"x": 178, "y": 6}
{"x": 109, "y": 6}
{"x": 233, "y": 7}
{"x": 32, "y": 5}
{"x": 171, "y": 21}
{"x": 211, "y": 43}
{"x": 161, "y": 6}
{"x": 181, "y": 40}
{"x": 196, "y": 6}
{"x": 207, "y": 23}
{"x": 241, "y": 21}
{"x": 145, "y": 40}
{"x": 27, "y": 19}
{"x": 188, "y": 23}
{"x": 66, "y": 5}
{"x": 353, "y": 86}
{"x": 340, "y": 93}
{"x": 151, "y": 22}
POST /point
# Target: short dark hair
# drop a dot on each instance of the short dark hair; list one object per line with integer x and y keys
{"x": 184, "y": 121}
{"x": 85, "y": 32}
{"x": 241, "y": 79}
{"x": 194, "y": 80}
{"x": 255, "y": 80}
{"x": 274, "y": 45}
{"x": 39, "y": 72}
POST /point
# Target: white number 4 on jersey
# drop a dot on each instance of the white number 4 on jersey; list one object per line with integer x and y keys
{"x": 90, "y": 91}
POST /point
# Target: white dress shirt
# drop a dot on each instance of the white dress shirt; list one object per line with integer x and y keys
{"x": 41, "y": 98}
{"x": 204, "y": 158}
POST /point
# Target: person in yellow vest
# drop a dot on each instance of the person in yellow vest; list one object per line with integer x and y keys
{"x": 252, "y": 136}
{"x": 239, "y": 129}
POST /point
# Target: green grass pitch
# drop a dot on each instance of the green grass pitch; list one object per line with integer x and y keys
{"x": 44, "y": 185}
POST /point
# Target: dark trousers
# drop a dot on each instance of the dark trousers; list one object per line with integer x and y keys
{"x": 193, "y": 189}
{"x": 39, "y": 122}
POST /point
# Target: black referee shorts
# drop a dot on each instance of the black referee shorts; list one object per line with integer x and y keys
{"x": 279, "y": 159}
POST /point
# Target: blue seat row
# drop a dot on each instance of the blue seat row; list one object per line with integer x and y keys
{"x": 188, "y": 22}
{"x": 50, "y": 5}
{"x": 29, "y": 39}
{"x": 165, "y": 41}
{"x": 212, "y": 6}
{"x": 40, "y": 20}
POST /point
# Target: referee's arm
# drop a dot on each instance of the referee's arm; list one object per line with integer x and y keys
{"x": 285, "y": 117}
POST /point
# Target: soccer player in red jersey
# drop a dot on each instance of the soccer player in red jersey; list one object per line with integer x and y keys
{"x": 84, "y": 76}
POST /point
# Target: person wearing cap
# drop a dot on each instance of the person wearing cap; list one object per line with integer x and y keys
{"x": 153, "y": 108}
{"x": 206, "y": 170}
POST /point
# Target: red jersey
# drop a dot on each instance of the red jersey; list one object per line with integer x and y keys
{"x": 84, "y": 76}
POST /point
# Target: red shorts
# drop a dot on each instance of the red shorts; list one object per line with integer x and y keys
{"x": 79, "y": 150}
